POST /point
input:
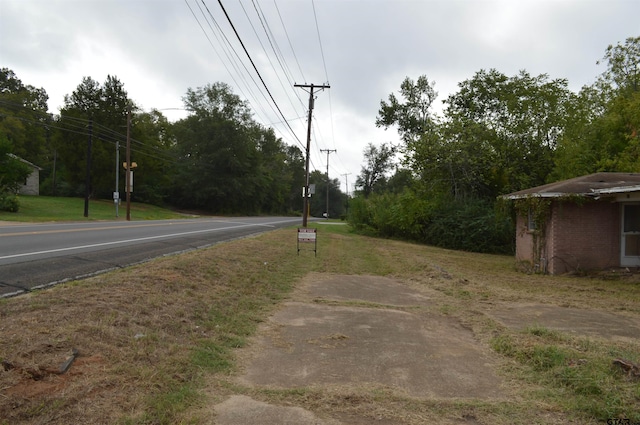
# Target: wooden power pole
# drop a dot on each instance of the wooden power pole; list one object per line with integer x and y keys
{"x": 328, "y": 151}
{"x": 305, "y": 205}
{"x": 127, "y": 179}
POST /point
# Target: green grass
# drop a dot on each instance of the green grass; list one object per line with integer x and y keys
{"x": 195, "y": 310}
{"x": 574, "y": 372}
{"x": 48, "y": 208}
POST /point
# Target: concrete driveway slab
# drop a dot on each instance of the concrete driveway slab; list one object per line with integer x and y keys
{"x": 243, "y": 410}
{"x": 374, "y": 289}
{"x": 571, "y": 320}
{"x": 309, "y": 345}
{"x": 342, "y": 333}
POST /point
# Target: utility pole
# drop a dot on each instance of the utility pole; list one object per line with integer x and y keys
{"x": 128, "y": 168}
{"x": 305, "y": 205}
{"x": 328, "y": 151}
{"x": 346, "y": 183}
{"x": 116, "y": 194}
{"x": 87, "y": 182}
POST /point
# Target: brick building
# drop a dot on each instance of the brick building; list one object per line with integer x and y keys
{"x": 586, "y": 223}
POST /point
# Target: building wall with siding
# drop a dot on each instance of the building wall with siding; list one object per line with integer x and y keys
{"x": 32, "y": 185}
{"x": 525, "y": 245}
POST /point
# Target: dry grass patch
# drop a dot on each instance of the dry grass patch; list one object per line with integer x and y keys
{"x": 156, "y": 342}
{"x": 145, "y": 335}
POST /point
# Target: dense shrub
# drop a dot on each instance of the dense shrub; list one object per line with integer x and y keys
{"x": 469, "y": 225}
{"x": 9, "y": 202}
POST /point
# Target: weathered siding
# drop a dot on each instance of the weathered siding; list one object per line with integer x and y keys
{"x": 524, "y": 245}
{"x": 32, "y": 185}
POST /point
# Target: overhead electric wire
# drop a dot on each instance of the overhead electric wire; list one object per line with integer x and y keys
{"x": 224, "y": 41}
{"x": 226, "y": 52}
{"x": 289, "y": 40}
{"x": 228, "y": 48}
{"x": 276, "y": 48}
{"x": 324, "y": 63}
{"x": 80, "y": 126}
{"x": 265, "y": 50}
{"x": 230, "y": 58}
{"x": 256, "y": 70}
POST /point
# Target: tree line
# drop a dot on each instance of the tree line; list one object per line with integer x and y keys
{"x": 441, "y": 184}
{"x": 217, "y": 160}
{"x": 497, "y": 134}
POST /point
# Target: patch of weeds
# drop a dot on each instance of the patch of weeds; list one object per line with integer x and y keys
{"x": 463, "y": 294}
{"x": 543, "y": 332}
{"x": 163, "y": 408}
{"x": 504, "y": 345}
{"x": 484, "y": 295}
{"x": 545, "y": 357}
{"x": 46, "y": 407}
{"x": 287, "y": 392}
{"x": 212, "y": 357}
{"x": 446, "y": 309}
{"x": 578, "y": 374}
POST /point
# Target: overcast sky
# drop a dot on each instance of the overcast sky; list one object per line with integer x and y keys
{"x": 362, "y": 48}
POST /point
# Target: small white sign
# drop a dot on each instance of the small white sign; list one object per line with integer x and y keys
{"x": 306, "y": 235}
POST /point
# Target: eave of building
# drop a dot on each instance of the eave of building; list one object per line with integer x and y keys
{"x": 546, "y": 195}
{"x": 621, "y": 189}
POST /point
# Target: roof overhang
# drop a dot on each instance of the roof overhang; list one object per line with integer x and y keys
{"x": 544, "y": 195}
{"x": 614, "y": 190}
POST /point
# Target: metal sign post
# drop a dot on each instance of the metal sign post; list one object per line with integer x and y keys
{"x": 308, "y": 235}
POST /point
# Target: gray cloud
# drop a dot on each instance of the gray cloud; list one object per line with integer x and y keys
{"x": 158, "y": 50}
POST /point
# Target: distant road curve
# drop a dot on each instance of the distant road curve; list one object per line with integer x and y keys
{"x": 34, "y": 256}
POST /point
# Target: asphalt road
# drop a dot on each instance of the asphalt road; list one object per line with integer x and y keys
{"x": 33, "y": 256}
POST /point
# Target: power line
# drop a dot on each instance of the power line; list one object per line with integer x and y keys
{"x": 256, "y": 70}
{"x": 227, "y": 48}
{"x": 326, "y": 74}
{"x": 227, "y": 53}
{"x": 289, "y": 40}
{"x": 265, "y": 50}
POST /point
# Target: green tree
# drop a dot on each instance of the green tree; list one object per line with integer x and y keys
{"x": 152, "y": 141}
{"x": 603, "y": 131}
{"x": 378, "y": 161}
{"x": 401, "y": 180}
{"x": 280, "y": 173}
{"x": 412, "y": 112}
{"x": 24, "y": 117}
{"x": 508, "y": 129}
{"x": 295, "y": 168}
{"x": 318, "y": 204}
{"x": 13, "y": 172}
{"x": 623, "y": 67}
{"x": 99, "y": 111}
{"x": 218, "y": 153}
{"x": 227, "y": 163}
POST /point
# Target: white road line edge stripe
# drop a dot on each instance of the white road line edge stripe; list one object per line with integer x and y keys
{"x": 139, "y": 239}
